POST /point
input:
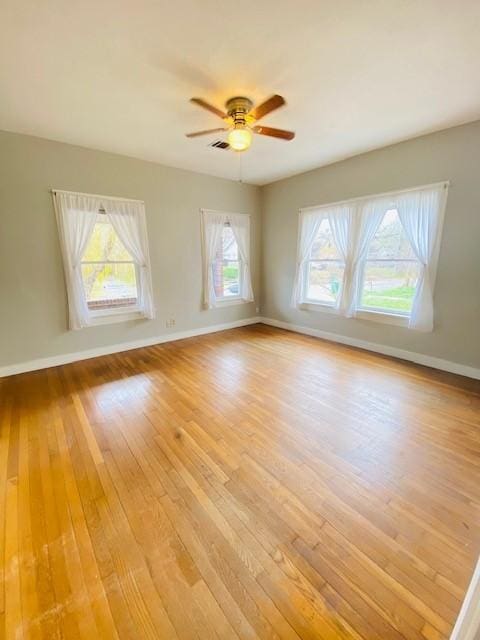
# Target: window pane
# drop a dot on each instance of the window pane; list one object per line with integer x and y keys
{"x": 390, "y": 240}
{"x": 390, "y": 285}
{"x": 105, "y": 245}
{"x": 324, "y": 281}
{"x": 231, "y": 281}
{"x": 230, "y": 247}
{"x": 226, "y": 270}
{"x": 109, "y": 285}
{"x": 391, "y": 269}
{"x": 323, "y": 247}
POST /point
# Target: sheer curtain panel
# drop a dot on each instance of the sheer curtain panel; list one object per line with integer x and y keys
{"x": 76, "y": 216}
{"x": 309, "y": 224}
{"x": 367, "y": 220}
{"x": 240, "y": 224}
{"x": 212, "y": 227}
{"x": 420, "y": 213}
{"x": 128, "y": 220}
{"x": 341, "y": 220}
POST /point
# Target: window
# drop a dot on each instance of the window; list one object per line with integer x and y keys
{"x": 109, "y": 273}
{"x": 225, "y": 258}
{"x": 227, "y": 266}
{"x": 372, "y": 257}
{"x": 324, "y": 268}
{"x": 105, "y": 258}
{"x": 391, "y": 269}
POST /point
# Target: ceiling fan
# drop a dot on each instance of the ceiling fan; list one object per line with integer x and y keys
{"x": 240, "y": 118}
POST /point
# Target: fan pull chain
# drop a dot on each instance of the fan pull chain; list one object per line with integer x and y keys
{"x": 240, "y": 177}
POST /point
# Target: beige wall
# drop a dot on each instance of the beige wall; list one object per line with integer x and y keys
{"x": 33, "y": 307}
{"x": 452, "y": 155}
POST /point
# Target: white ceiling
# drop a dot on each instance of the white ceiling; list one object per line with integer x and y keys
{"x": 357, "y": 74}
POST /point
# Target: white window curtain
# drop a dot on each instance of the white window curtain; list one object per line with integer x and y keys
{"x": 354, "y": 223}
{"x": 240, "y": 225}
{"x": 341, "y": 221}
{"x": 367, "y": 220}
{"x": 420, "y": 215}
{"x": 128, "y": 220}
{"x": 212, "y": 227}
{"x": 213, "y": 223}
{"x": 76, "y": 216}
{"x": 309, "y": 224}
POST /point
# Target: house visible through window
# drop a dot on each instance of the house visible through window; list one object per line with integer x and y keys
{"x": 391, "y": 269}
{"x": 109, "y": 274}
{"x": 227, "y": 266}
{"x": 324, "y": 267}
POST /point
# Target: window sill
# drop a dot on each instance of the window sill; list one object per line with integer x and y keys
{"x": 317, "y": 306}
{"x": 227, "y": 302}
{"x": 380, "y": 316}
{"x": 361, "y": 314}
{"x": 112, "y": 317}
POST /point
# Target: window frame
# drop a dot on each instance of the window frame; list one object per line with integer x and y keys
{"x": 80, "y": 315}
{"x": 369, "y": 313}
{"x": 118, "y": 313}
{"x": 381, "y": 314}
{"x": 311, "y": 302}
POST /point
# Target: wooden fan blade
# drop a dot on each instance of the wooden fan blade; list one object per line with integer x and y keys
{"x": 205, "y": 132}
{"x": 208, "y": 107}
{"x": 266, "y": 107}
{"x": 274, "y": 133}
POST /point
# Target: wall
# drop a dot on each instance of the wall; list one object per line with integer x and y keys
{"x": 452, "y": 155}
{"x": 33, "y": 308}
{"x": 33, "y": 311}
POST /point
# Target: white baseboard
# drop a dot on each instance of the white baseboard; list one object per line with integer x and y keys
{"x": 54, "y": 361}
{"x": 412, "y": 356}
{"x": 419, "y": 358}
{"x": 467, "y": 626}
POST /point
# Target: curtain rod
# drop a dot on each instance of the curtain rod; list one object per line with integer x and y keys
{"x": 96, "y": 195}
{"x": 223, "y": 213}
{"x": 444, "y": 184}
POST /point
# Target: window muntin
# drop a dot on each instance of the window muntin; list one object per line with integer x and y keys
{"x": 109, "y": 274}
{"x": 227, "y": 267}
{"x": 324, "y": 269}
{"x": 391, "y": 270}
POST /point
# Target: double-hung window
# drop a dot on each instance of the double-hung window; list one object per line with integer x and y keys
{"x": 226, "y": 258}
{"x": 391, "y": 270}
{"x": 109, "y": 274}
{"x": 324, "y": 268}
{"x": 227, "y": 267}
{"x": 105, "y": 256}
{"x": 374, "y": 257}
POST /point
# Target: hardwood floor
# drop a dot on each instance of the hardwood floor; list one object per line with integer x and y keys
{"x": 248, "y": 484}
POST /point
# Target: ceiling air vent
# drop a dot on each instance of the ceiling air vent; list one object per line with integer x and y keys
{"x": 219, "y": 144}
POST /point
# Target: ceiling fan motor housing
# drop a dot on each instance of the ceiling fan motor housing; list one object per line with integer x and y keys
{"x": 237, "y": 109}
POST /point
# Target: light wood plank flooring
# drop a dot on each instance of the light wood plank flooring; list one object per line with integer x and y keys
{"x": 248, "y": 484}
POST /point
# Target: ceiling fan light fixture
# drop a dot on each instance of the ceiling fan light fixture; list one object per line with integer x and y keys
{"x": 240, "y": 117}
{"x": 239, "y": 138}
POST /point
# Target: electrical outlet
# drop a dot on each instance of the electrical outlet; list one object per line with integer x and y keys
{"x": 170, "y": 323}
